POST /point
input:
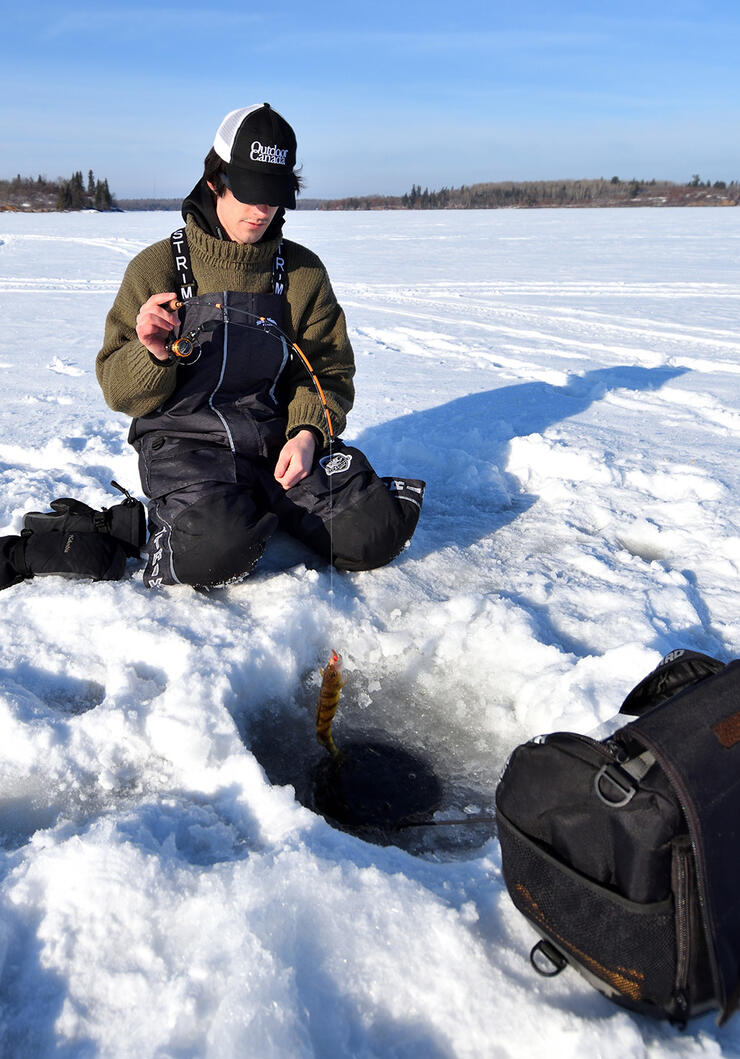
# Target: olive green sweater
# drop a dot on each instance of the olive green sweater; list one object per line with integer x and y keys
{"x": 134, "y": 383}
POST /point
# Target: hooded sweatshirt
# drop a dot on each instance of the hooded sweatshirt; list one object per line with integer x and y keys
{"x": 136, "y": 383}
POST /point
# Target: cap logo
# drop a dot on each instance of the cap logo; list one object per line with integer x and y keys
{"x": 274, "y": 155}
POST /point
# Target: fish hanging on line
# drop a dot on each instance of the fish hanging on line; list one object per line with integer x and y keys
{"x": 332, "y": 682}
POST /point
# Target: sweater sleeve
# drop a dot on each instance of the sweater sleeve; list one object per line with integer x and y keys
{"x": 321, "y": 334}
{"x": 130, "y": 379}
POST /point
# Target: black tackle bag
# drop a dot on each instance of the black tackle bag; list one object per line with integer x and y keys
{"x": 624, "y": 853}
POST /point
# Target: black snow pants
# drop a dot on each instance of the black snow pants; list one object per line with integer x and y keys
{"x": 207, "y": 458}
{"x": 214, "y": 532}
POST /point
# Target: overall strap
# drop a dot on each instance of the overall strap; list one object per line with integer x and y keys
{"x": 183, "y": 266}
{"x": 279, "y": 275}
{"x": 184, "y": 269}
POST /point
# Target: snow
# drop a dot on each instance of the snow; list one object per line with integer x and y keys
{"x": 567, "y": 383}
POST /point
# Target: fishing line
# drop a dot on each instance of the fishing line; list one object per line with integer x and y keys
{"x": 185, "y": 350}
{"x": 462, "y": 821}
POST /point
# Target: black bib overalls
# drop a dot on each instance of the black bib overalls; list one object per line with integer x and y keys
{"x": 207, "y": 458}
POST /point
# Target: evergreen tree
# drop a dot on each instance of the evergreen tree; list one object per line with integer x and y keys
{"x": 64, "y": 197}
{"x": 77, "y": 191}
{"x": 103, "y": 199}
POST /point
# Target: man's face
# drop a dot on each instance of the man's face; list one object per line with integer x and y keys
{"x": 242, "y": 221}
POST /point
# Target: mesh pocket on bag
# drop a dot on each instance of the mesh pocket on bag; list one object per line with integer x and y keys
{"x": 630, "y": 947}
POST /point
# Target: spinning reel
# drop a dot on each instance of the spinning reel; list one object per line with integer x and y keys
{"x": 184, "y": 348}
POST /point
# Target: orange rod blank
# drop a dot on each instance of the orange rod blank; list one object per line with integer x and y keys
{"x": 176, "y": 303}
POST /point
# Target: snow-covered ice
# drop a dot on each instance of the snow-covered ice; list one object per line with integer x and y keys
{"x": 567, "y": 383}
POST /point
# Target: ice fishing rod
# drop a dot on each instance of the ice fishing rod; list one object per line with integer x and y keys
{"x": 482, "y": 818}
{"x": 186, "y": 350}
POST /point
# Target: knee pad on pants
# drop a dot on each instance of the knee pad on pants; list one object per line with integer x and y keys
{"x": 216, "y": 539}
{"x": 351, "y": 516}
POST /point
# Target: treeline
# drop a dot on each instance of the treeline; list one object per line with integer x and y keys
{"x": 549, "y": 193}
{"x": 150, "y": 204}
{"x": 25, "y": 193}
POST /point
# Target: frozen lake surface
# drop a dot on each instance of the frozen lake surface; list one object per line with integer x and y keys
{"x": 568, "y": 385}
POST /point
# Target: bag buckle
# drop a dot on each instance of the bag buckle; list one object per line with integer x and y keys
{"x": 618, "y": 783}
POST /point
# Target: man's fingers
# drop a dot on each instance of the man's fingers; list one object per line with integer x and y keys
{"x": 154, "y": 312}
{"x": 295, "y": 459}
{"x": 154, "y": 321}
{"x": 282, "y": 464}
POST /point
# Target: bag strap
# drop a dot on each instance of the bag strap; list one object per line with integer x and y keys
{"x": 617, "y": 783}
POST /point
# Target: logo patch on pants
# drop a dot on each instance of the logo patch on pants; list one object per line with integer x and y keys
{"x": 337, "y": 463}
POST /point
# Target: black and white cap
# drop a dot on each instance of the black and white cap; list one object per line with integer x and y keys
{"x": 259, "y": 148}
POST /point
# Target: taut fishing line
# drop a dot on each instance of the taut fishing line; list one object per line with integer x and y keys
{"x": 185, "y": 350}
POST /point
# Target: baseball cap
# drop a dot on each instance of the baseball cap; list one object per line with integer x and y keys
{"x": 259, "y": 148}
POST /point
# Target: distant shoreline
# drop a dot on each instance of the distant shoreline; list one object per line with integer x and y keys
{"x": 563, "y": 194}
{"x": 140, "y": 206}
{"x": 512, "y": 194}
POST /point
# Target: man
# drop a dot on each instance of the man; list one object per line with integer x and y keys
{"x": 238, "y": 435}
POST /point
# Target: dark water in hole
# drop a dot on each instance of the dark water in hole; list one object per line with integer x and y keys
{"x": 385, "y": 789}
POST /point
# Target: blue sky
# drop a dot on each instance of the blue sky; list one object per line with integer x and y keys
{"x": 381, "y": 95}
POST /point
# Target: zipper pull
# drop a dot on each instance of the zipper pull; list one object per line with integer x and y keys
{"x": 129, "y": 499}
{"x": 616, "y": 750}
{"x": 680, "y": 1010}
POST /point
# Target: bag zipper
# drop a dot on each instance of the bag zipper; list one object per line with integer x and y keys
{"x": 682, "y": 894}
{"x": 602, "y": 749}
{"x": 622, "y": 771}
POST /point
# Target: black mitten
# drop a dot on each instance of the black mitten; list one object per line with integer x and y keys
{"x": 126, "y": 522}
{"x": 11, "y": 561}
{"x": 77, "y": 554}
{"x": 678, "y": 670}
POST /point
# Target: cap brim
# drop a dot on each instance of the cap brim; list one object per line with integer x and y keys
{"x": 268, "y": 188}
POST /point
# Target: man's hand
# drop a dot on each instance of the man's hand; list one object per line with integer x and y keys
{"x": 295, "y": 459}
{"x": 154, "y": 324}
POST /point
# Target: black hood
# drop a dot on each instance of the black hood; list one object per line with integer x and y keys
{"x": 200, "y": 204}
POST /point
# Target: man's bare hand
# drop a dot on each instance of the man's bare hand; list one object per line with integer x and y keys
{"x": 295, "y": 459}
{"x": 155, "y": 323}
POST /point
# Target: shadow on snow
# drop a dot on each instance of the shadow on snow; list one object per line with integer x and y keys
{"x": 460, "y": 448}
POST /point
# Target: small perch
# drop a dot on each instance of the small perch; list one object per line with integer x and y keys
{"x": 331, "y": 686}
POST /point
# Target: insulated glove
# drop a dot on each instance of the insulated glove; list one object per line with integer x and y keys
{"x": 126, "y": 522}
{"x": 678, "y": 670}
{"x": 11, "y": 561}
{"x": 67, "y": 554}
